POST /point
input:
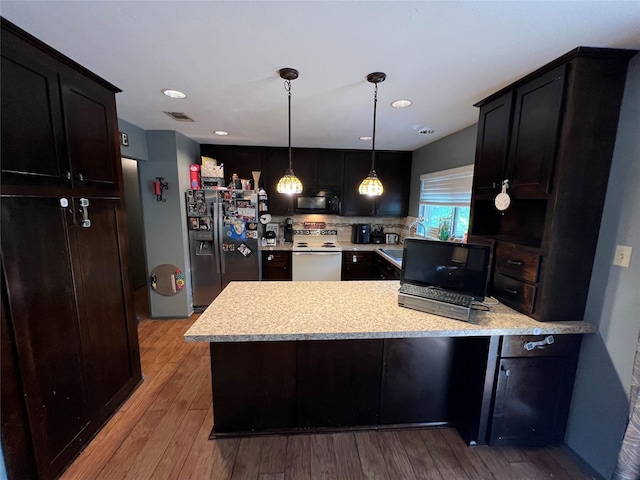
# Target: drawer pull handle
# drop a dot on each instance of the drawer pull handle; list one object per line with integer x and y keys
{"x": 531, "y": 345}
{"x": 515, "y": 262}
{"x": 511, "y": 291}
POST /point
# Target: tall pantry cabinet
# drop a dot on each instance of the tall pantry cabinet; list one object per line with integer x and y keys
{"x": 550, "y": 135}
{"x": 69, "y": 340}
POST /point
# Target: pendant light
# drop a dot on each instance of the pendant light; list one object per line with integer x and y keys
{"x": 289, "y": 183}
{"x": 371, "y": 185}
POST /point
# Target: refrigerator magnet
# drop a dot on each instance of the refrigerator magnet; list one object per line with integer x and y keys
{"x": 238, "y": 229}
{"x": 194, "y": 223}
{"x": 252, "y": 234}
{"x": 244, "y": 250}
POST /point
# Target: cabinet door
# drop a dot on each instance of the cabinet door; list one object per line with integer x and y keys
{"x": 394, "y": 171}
{"x": 276, "y": 162}
{"x": 240, "y": 160}
{"x": 492, "y": 145}
{"x": 532, "y": 398}
{"x": 45, "y": 326}
{"x": 33, "y": 148}
{"x": 329, "y": 170}
{"x": 357, "y": 266}
{"x": 534, "y": 138}
{"x": 276, "y": 265}
{"x": 305, "y": 166}
{"x": 92, "y": 133}
{"x": 357, "y": 165}
{"x": 108, "y": 323}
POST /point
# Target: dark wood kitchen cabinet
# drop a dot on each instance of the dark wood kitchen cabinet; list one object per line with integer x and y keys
{"x": 236, "y": 159}
{"x": 533, "y": 389}
{"x": 62, "y": 133}
{"x": 384, "y": 270}
{"x": 357, "y": 265}
{"x": 319, "y": 167}
{"x": 67, "y": 301}
{"x": 393, "y": 170}
{"x": 551, "y": 135}
{"x": 276, "y": 265}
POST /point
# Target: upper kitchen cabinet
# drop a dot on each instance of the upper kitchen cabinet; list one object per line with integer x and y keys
{"x": 551, "y": 135}
{"x": 393, "y": 170}
{"x": 63, "y": 130}
{"x": 319, "y": 167}
{"x": 236, "y": 159}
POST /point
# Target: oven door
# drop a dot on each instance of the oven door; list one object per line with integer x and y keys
{"x": 316, "y": 266}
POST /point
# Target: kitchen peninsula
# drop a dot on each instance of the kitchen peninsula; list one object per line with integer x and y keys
{"x": 292, "y": 357}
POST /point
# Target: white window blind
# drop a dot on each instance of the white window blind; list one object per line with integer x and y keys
{"x": 448, "y": 187}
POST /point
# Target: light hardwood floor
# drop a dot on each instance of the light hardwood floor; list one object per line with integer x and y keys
{"x": 161, "y": 432}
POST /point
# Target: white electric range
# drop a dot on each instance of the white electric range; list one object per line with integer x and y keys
{"x": 316, "y": 255}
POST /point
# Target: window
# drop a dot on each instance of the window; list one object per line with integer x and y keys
{"x": 445, "y": 199}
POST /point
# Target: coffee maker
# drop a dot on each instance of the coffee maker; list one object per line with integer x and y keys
{"x": 288, "y": 230}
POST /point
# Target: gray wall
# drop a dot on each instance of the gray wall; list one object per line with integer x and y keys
{"x": 600, "y": 403}
{"x": 170, "y": 154}
{"x": 455, "y": 150}
{"x": 137, "y": 148}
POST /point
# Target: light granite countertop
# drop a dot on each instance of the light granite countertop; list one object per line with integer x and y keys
{"x": 285, "y": 311}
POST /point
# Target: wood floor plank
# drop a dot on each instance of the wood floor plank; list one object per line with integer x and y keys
{"x": 210, "y": 459}
{"x": 177, "y": 381}
{"x": 526, "y": 471}
{"x": 467, "y": 457}
{"x": 170, "y": 465}
{"x": 395, "y": 456}
{"x": 272, "y": 458}
{"x": 512, "y": 454}
{"x": 565, "y": 460}
{"x": 443, "y": 455}
{"x": 424, "y": 467}
{"x": 495, "y": 463}
{"x": 247, "y": 465}
{"x": 203, "y": 397}
{"x": 126, "y": 454}
{"x": 347, "y": 459}
{"x": 323, "y": 458}
{"x": 298, "y": 458}
{"x": 271, "y": 476}
{"x": 546, "y": 463}
{"x": 371, "y": 458}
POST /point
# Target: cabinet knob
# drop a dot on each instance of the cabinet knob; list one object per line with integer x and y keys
{"x": 81, "y": 177}
{"x": 531, "y": 345}
{"x": 270, "y": 257}
{"x": 515, "y": 262}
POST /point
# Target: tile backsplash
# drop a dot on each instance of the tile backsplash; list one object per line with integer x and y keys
{"x": 343, "y": 224}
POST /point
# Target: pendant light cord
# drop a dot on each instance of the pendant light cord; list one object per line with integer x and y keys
{"x": 373, "y": 139}
{"x": 287, "y": 87}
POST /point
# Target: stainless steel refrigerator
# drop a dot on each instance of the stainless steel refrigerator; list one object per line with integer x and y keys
{"x": 224, "y": 232}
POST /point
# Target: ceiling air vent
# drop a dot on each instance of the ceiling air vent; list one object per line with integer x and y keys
{"x": 426, "y": 131}
{"x": 180, "y": 116}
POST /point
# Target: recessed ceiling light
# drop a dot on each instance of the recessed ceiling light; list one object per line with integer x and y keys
{"x": 174, "y": 93}
{"x": 365, "y": 139}
{"x": 221, "y": 133}
{"x": 401, "y": 103}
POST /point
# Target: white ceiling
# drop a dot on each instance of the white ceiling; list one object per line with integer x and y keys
{"x": 442, "y": 55}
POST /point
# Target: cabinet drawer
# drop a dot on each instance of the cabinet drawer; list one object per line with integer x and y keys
{"x": 552, "y": 346}
{"x": 514, "y": 293}
{"x": 517, "y": 264}
{"x": 357, "y": 257}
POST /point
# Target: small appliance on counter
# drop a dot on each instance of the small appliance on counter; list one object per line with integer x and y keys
{"x": 392, "y": 238}
{"x": 361, "y": 233}
{"x": 377, "y": 235}
{"x": 288, "y": 230}
{"x": 270, "y": 235}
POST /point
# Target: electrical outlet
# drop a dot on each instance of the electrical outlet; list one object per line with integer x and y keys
{"x": 622, "y": 256}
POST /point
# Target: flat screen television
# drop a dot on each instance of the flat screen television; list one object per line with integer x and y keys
{"x": 458, "y": 267}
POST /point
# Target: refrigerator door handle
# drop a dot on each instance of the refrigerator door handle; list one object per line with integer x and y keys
{"x": 220, "y": 221}
{"x": 216, "y": 236}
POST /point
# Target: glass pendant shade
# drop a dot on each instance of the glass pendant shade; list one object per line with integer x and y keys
{"x": 372, "y": 185}
{"x": 289, "y": 183}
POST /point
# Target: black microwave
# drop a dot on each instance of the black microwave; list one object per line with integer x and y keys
{"x": 318, "y": 200}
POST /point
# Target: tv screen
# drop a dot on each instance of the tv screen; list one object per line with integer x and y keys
{"x": 459, "y": 267}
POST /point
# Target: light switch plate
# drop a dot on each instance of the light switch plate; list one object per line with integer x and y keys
{"x": 622, "y": 256}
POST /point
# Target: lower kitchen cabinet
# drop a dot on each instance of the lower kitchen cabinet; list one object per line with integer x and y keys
{"x": 276, "y": 265}
{"x": 384, "y": 270}
{"x": 357, "y": 265}
{"x": 416, "y": 380}
{"x": 533, "y": 390}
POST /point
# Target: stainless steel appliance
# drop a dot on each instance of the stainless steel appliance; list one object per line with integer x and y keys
{"x": 223, "y": 241}
{"x": 316, "y": 256}
{"x": 391, "y": 238}
{"x": 288, "y": 230}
